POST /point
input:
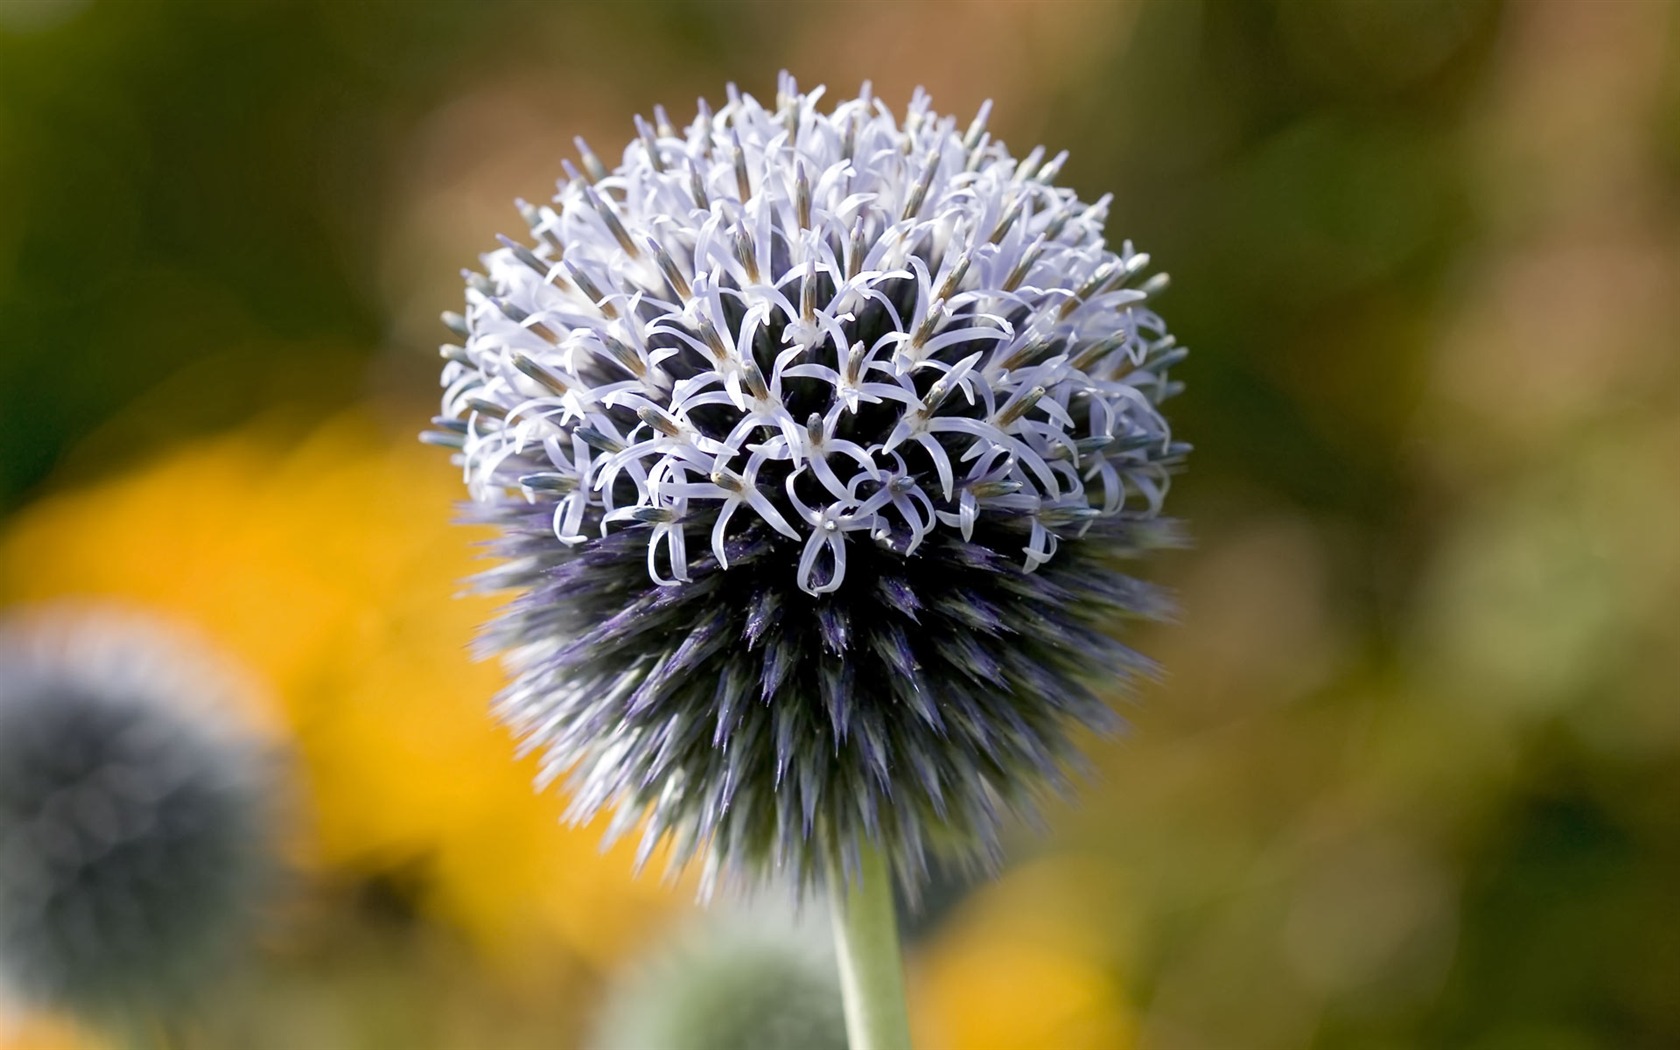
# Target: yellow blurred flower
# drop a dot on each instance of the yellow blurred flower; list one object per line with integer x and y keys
{"x": 329, "y": 566}
{"x": 44, "y": 1032}
{"x": 1027, "y": 962}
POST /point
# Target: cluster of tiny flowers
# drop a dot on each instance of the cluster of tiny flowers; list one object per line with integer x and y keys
{"x": 133, "y": 814}
{"x": 842, "y": 386}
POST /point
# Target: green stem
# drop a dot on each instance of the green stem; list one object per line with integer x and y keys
{"x": 871, "y": 971}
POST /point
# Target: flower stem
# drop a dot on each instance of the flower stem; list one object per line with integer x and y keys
{"x": 871, "y": 970}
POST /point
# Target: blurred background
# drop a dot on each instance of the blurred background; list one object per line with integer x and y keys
{"x": 1414, "y": 776}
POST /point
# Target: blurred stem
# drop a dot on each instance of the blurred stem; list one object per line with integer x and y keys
{"x": 871, "y": 968}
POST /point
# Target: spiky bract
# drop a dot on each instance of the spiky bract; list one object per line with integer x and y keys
{"x": 813, "y": 438}
{"x": 132, "y": 814}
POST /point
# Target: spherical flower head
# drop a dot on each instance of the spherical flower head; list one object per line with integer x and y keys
{"x": 132, "y": 813}
{"x": 814, "y": 438}
{"x": 757, "y": 978}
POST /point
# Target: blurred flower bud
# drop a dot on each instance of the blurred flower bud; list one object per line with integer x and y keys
{"x": 134, "y": 813}
{"x": 746, "y": 979}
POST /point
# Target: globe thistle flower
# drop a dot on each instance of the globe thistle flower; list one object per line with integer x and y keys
{"x": 814, "y": 439}
{"x": 132, "y": 814}
{"x": 749, "y": 978}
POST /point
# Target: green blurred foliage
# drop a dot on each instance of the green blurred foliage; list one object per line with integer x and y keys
{"x": 1415, "y": 778}
{"x": 190, "y": 192}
